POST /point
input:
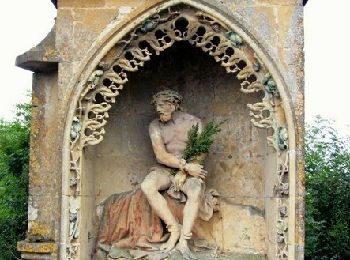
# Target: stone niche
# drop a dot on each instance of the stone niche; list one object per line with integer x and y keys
{"x": 95, "y": 73}
{"x": 236, "y": 163}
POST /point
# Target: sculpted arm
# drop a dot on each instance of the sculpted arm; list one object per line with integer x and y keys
{"x": 160, "y": 151}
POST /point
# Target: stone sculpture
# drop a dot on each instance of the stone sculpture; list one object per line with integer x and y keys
{"x": 182, "y": 180}
{"x": 169, "y": 135}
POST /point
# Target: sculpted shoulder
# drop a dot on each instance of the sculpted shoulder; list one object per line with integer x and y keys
{"x": 179, "y": 115}
{"x": 154, "y": 126}
{"x": 154, "y": 123}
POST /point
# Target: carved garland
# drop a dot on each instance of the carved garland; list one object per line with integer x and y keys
{"x": 154, "y": 35}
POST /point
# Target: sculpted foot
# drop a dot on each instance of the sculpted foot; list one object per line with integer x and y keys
{"x": 182, "y": 246}
{"x": 174, "y": 237}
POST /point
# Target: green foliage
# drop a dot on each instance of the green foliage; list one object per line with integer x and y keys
{"x": 327, "y": 158}
{"x": 198, "y": 143}
{"x": 14, "y": 156}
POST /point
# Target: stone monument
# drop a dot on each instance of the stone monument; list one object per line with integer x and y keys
{"x": 107, "y": 181}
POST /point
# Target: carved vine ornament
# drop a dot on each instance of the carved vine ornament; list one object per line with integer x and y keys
{"x": 154, "y": 35}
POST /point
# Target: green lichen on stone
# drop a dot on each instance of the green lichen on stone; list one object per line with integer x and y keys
{"x": 148, "y": 26}
{"x": 256, "y": 66}
{"x": 75, "y": 129}
{"x": 270, "y": 85}
{"x": 235, "y": 39}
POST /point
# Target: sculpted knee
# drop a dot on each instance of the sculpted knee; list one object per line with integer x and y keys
{"x": 148, "y": 186}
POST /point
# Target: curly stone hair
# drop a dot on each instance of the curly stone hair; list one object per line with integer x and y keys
{"x": 168, "y": 95}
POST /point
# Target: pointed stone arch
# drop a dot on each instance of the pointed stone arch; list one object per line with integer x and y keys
{"x": 124, "y": 48}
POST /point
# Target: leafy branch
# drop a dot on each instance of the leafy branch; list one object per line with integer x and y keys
{"x": 198, "y": 143}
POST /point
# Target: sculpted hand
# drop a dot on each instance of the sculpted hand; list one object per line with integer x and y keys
{"x": 180, "y": 179}
{"x": 195, "y": 170}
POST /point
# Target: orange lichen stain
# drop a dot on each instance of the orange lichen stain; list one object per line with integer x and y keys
{"x": 38, "y": 229}
{"x": 36, "y": 247}
{"x": 36, "y": 100}
{"x": 35, "y": 180}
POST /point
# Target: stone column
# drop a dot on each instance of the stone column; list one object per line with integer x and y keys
{"x": 44, "y": 170}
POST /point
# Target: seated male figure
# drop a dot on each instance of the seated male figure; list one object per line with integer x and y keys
{"x": 169, "y": 135}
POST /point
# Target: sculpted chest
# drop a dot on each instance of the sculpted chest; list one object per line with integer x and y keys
{"x": 176, "y": 131}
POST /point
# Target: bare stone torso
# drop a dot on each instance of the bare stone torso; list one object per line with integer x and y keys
{"x": 174, "y": 132}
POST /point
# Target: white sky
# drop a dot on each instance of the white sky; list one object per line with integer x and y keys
{"x": 327, "y": 57}
{"x": 25, "y": 23}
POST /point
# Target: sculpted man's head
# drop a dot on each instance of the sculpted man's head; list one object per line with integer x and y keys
{"x": 165, "y": 103}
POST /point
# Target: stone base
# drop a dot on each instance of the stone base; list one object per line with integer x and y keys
{"x": 37, "y": 251}
{"x": 223, "y": 256}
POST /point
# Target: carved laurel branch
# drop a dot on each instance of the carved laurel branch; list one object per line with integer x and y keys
{"x": 152, "y": 37}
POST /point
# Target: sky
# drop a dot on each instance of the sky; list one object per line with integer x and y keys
{"x": 24, "y": 23}
{"x": 327, "y": 57}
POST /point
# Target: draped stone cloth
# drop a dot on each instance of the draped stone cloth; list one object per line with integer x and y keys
{"x": 128, "y": 221}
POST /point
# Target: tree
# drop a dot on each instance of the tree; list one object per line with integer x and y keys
{"x": 327, "y": 166}
{"x": 14, "y": 157}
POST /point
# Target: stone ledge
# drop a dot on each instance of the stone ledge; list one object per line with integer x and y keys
{"x": 37, "y": 257}
{"x": 47, "y": 248}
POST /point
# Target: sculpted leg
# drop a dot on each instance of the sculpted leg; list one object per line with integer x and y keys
{"x": 154, "y": 182}
{"x": 194, "y": 191}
